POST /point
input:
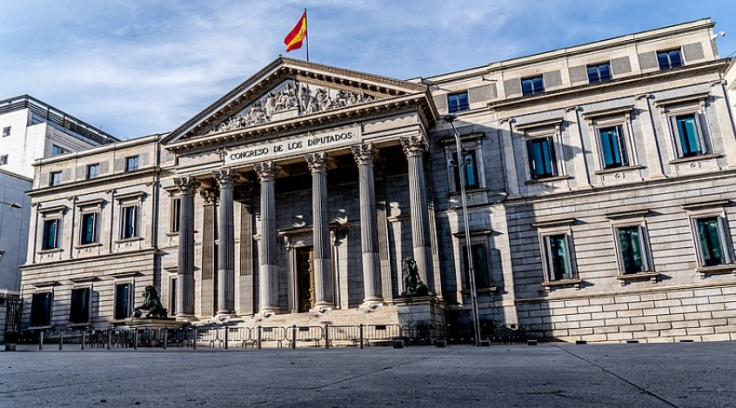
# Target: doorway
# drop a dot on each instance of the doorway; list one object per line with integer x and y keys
{"x": 305, "y": 278}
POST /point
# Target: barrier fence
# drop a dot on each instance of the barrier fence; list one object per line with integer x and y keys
{"x": 225, "y": 337}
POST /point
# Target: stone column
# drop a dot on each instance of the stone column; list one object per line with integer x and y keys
{"x": 207, "y": 295}
{"x": 185, "y": 279}
{"x": 268, "y": 272}
{"x": 226, "y": 248}
{"x": 318, "y": 163}
{"x": 364, "y": 155}
{"x": 414, "y": 149}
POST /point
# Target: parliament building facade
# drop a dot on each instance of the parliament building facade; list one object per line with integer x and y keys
{"x": 601, "y": 188}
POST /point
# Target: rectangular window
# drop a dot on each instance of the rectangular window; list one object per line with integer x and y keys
{"x": 89, "y": 229}
{"x": 50, "y": 234}
{"x": 689, "y": 137}
{"x": 480, "y": 266}
{"x": 131, "y": 163}
{"x": 458, "y": 102}
{"x": 632, "y": 249}
{"x": 669, "y": 59}
{"x": 6, "y": 131}
{"x": 542, "y": 162}
{"x": 79, "y": 310}
{"x": 3, "y": 159}
{"x": 613, "y": 147}
{"x": 55, "y": 178}
{"x": 175, "y": 214}
{"x": 558, "y": 258}
{"x": 41, "y": 309}
{"x": 57, "y": 150}
{"x": 130, "y": 222}
{"x": 599, "y": 73}
{"x": 123, "y": 301}
{"x": 470, "y": 170}
{"x": 93, "y": 171}
{"x": 532, "y": 86}
{"x": 711, "y": 240}
{"x": 172, "y": 297}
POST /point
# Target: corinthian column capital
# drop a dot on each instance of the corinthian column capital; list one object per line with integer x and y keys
{"x": 209, "y": 195}
{"x": 414, "y": 145}
{"x": 225, "y": 178}
{"x": 318, "y": 162}
{"x": 186, "y": 184}
{"x": 364, "y": 153}
{"x": 266, "y": 171}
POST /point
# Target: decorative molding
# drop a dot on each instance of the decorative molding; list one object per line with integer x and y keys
{"x": 186, "y": 184}
{"x": 209, "y": 195}
{"x": 134, "y": 196}
{"x": 554, "y": 223}
{"x": 225, "y": 178}
{"x": 414, "y": 145}
{"x": 267, "y": 171}
{"x": 621, "y": 110}
{"x": 704, "y": 204}
{"x": 627, "y": 214}
{"x": 318, "y": 162}
{"x": 291, "y": 99}
{"x": 697, "y": 97}
{"x": 363, "y": 154}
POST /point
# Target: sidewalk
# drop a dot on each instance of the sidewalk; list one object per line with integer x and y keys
{"x": 549, "y": 375}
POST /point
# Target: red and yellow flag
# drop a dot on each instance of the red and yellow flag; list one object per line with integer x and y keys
{"x": 297, "y": 35}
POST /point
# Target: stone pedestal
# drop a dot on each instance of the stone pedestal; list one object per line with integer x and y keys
{"x": 137, "y": 323}
{"x": 421, "y": 310}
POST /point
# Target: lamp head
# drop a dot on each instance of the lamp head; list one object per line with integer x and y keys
{"x": 449, "y": 118}
{"x": 15, "y": 205}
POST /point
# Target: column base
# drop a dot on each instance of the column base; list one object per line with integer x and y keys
{"x": 186, "y": 318}
{"x": 322, "y": 307}
{"x": 224, "y": 316}
{"x": 268, "y": 311}
{"x": 370, "y": 305}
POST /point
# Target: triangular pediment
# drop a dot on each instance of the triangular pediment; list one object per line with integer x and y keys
{"x": 287, "y": 89}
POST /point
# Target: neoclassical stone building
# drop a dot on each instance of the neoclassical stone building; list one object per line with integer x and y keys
{"x": 600, "y": 185}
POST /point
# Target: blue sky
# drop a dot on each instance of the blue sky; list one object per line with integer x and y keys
{"x": 142, "y": 67}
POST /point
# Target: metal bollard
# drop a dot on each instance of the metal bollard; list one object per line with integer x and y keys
{"x": 293, "y": 337}
{"x": 195, "y": 339}
{"x": 361, "y": 336}
{"x": 259, "y": 337}
{"x": 40, "y": 342}
{"x": 327, "y": 336}
{"x": 135, "y": 339}
{"x": 61, "y": 340}
{"x": 226, "y": 337}
{"x": 84, "y": 339}
{"x": 166, "y": 337}
{"x": 109, "y": 339}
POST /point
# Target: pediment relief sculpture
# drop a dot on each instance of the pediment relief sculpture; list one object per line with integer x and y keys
{"x": 289, "y": 100}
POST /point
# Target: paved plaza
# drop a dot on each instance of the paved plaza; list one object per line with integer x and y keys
{"x": 548, "y": 375}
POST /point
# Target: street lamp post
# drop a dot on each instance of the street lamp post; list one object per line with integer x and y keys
{"x": 471, "y": 271}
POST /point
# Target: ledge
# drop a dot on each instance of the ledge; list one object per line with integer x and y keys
{"x": 461, "y": 234}
{"x": 681, "y": 99}
{"x": 126, "y": 274}
{"x": 704, "y": 204}
{"x": 489, "y": 290}
{"x": 50, "y": 251}
{"x": 97, "y": 202}
{"x": 547, "y": 179}
{"x": 469, "y": 191}
{"x": 551, "y": 285}
{"x": 137, "y": 195}
{"x": 86, "y": 279}
{"x": 653, "y": 277}
{"x": 92, "y": 245}
{"x": 696, "y": 158}
{"x": 716, "y": 270}
{"x": 172, "y": 234}
{"x": 124, "y": 240}
{"x": 553, "y": 223}
{"x": 448, "y": 140}
{"x": 627, "y": 214}
{"x": 618, "y": 169}
{"x": 621, "y": 110}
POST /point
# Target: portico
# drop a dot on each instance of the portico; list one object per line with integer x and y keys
{"x": 313, "y": 209}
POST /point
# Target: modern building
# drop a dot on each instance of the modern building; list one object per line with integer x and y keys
{"x": 600, "y": 188}
{"x": 30, "y": 130}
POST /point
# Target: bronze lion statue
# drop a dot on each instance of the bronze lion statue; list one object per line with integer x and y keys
{"x": 152, "y": 304}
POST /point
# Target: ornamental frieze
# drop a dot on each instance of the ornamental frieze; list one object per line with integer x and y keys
{"x": 290, "y": 100}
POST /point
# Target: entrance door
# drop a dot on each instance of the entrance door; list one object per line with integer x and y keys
{"x": 305, "y": 278}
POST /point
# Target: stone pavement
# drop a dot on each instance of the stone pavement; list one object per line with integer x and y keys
{"x": 549, "y": 375}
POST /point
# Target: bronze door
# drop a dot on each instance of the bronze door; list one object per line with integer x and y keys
{"x": 305, "y": 278}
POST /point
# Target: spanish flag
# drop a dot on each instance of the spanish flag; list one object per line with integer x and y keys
{"x": 297, "y": 35}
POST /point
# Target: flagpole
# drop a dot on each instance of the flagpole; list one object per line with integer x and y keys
{"x": 306, "y": 31}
